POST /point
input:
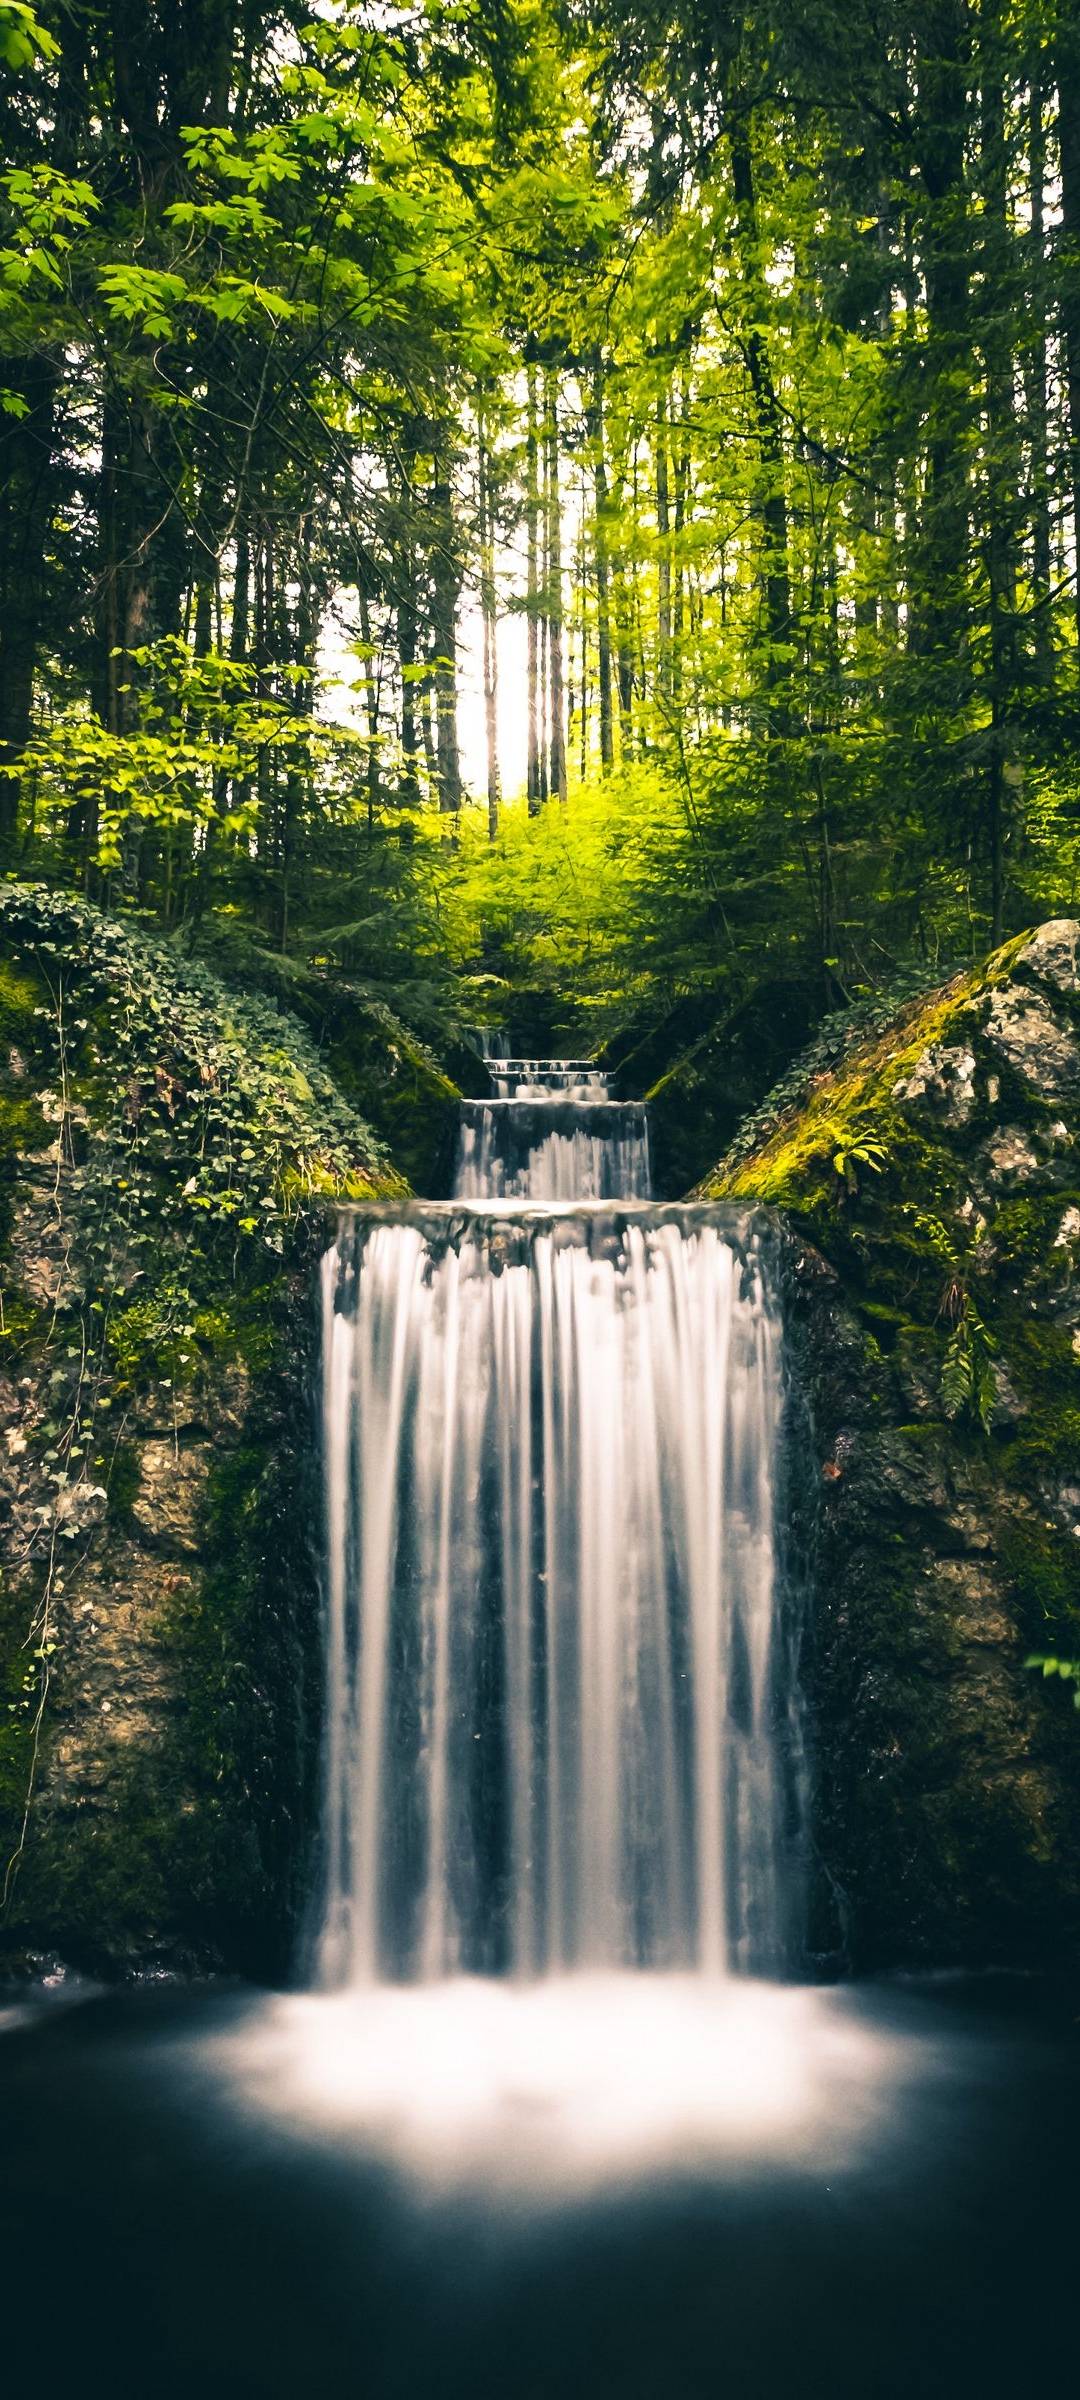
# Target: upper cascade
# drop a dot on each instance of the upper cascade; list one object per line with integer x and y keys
{"x": 552, "y": 1131}
{"x": 535, "y": 1078}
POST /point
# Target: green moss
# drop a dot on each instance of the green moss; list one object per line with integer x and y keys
{"x": 23, "y": 1327}
{"x": 794, "y": 1168}
{"x": 123, "y": 1479}
{"x": 1023, "y": 1229}
{"x": 1040, "y": 1562}
{"x": 21, "y": 994}
{"x": 18, "y": 1681}
{"x": 389, "y": 1075}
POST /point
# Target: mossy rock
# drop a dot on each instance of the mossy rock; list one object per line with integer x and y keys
{"x": 171, "y": 1153}
{"x": 932, "y": 1183}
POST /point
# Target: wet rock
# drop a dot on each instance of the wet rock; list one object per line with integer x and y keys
{"x": 974, "y": 1604}
{"x": 166, "y": 1509}
{"x": 1023, "y": 1027}
{"x": 1008, "y": 1408}
{"x": 941, "y": 1085}
{"x": 1053, "y": 954}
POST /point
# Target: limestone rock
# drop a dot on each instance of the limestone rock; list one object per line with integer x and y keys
{"x": 1008, "y": 1408}
{"x": 1067, "y": 1236}
{"x": 1053, "y": 954}
{"x": 941, "y": 1084}
{"x": 1009, "y": 1159}
{"x": 1022, "y": 1026}
{"x": 166, "y": 1508}
{"x": 947, "y": 1523}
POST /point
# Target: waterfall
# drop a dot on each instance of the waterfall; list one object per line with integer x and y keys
{"x": 562, "y": 1718}
{"x": 552, "y": 1131}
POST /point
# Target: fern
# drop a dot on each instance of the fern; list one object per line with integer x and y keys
{"x": 865, "y": 1151}
{"x": 968, "y": 1388}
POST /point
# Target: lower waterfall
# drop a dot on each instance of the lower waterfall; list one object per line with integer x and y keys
{"x": 563, "y": 1728}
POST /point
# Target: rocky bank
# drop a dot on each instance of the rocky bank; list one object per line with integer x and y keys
{"x": 931, "y": 1181}
{"x": 168, "y": 1148}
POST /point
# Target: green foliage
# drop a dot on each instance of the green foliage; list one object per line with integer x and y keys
{"x": 866, "y": 1151}
{"x": 838, "y": 1037}
{"x": 22, "y": 36}
{"x": 196, "y": 1109}
{"x": 1068, "y": 1669}
{"x": 967, "y": 1380}
{"x": 658, "y": 333}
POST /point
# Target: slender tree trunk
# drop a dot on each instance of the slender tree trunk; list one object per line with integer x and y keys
{"x": 663, "y": 542}
{"x": 1003, "y": 462}
{"x": 239, "y": 644}
{"x": 557, "y": 722}
{"x": 427, "y": 727}
{"x": 1036, "y": 381}
{"x": 682, "y": 488}
{"x": 623, "y": 618}
{"x": 407, "y": 642}
{"x": 532, "y": 525}
{"x": 372, "y": 701}
{"x": 303, "y": 651}
{"x": 446, "y": 594}
{"x": 583, "y": 618}
{"x": 27, "y": 488}
{"x": 941, "y": 565}
{"x": 489, "y": 611}
{"x": 544, "y": 584}
{"x": 603, "y": 595}
{"x": 1067, "y": 64}
{"x": 265, "y": 828}
{"x": 775, "y": 564}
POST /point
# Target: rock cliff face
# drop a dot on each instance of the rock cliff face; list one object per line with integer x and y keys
{"x": 932, "y": 1183}
{"x": 167, "y": 1151}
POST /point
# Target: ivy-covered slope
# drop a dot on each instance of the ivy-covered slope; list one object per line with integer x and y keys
{"x": 167, "y": 1151}
{"x": 934, "y": 1172}
{"x": 382, "y": 1066}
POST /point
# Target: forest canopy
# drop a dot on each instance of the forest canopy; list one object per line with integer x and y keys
{"x": 513, "y": 495}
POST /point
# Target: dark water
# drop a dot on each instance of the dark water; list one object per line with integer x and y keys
{"x": 217, "y": 2192}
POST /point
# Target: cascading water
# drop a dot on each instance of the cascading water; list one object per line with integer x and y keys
{"x": 563, "y": 1728}
{"x": 552, "y": 1131}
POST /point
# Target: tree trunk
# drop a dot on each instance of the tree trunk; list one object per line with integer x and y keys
{"x": 603, "y": 596}
{"x": 775, "y": 566}
{"x": 1003, "y": 462}
{"x": 1036, "y": 383}
{"x": 444, "y": 627}
{"x": 489, "y": 611}
{"x": 407, "y": 642}
{"x": 939, "y": 598}
{"x": 27, "y": 486}
{"x": 557, "y": 721}
{"x": 663, "y": 543}
{"x": 532, "y": 602}
{"x": 1067, "y": 63}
